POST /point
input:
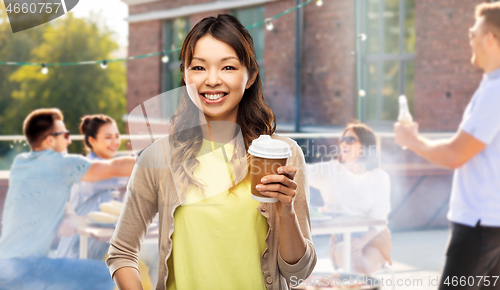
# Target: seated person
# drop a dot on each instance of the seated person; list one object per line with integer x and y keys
{"x": 102, "y": 140}
{"x": 355, "y": 185}
{"x": 39, "y": 186}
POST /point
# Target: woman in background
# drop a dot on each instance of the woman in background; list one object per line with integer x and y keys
{"x": 102, "y": 140}
{"x": 354, "y": 185}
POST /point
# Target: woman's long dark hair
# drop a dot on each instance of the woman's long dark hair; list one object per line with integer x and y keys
{"x": 254, "y": 118}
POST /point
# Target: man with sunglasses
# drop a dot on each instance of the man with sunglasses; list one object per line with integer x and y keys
{"x": 39, "y": 185}
{"x": 473, "y": 252}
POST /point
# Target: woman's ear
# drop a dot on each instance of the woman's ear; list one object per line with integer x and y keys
{"x": 251, "y": 80}
{"x": 92, "y": 141}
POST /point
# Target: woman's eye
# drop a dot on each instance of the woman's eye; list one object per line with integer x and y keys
{"x": 229, "y": 67}
{"x": 197, "y": 68}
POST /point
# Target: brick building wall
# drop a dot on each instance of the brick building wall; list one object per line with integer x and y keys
{"x": 445, "y": 80}
{"x": 279, "y": 62}
{"x": 328, "y": 74}
{"x": 143, "y": 75}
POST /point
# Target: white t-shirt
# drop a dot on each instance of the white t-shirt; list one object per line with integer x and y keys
{"x": 366, "y": 195}
{"x": 476, "y": 185}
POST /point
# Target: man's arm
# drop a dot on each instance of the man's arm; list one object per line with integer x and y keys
{"x": 451, "y": 153}
{"x": 119, "y": 167}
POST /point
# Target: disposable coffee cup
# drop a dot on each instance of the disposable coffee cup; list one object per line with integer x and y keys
{"x": 266, "y": 156}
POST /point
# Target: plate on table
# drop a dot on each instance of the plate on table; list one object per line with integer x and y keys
{"x": 101, "y": 224}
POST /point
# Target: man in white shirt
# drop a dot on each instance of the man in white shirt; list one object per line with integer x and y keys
{"x": 474, "y": 153}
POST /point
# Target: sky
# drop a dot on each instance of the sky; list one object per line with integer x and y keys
{"x": 113, "y": 12}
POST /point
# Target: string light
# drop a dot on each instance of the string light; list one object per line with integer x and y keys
{"x": 269, "y": 24}
{"x": 45, "y": 69}
{"x": 164, "y": 57}
{"x": 104, "y": 64}
{"x": 362, "y": 93}
{"x": 362, "y": 37}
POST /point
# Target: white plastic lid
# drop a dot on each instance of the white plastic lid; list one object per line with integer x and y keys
{"x": 266, "y": 147}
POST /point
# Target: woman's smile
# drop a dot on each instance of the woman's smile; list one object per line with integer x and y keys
{"x": 213, "y": 97}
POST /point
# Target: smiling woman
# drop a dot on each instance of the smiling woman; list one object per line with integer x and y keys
{"x": 101, "y": 135}
{"x": 215, "y": 236}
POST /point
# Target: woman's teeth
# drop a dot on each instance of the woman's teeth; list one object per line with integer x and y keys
{"x": 214, "y": 96}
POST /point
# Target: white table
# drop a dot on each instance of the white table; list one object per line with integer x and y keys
{"x": 102, "y": 234}
{"x": 345, "y": 225}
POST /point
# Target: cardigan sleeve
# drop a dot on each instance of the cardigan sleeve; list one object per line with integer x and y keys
{"x": 304, "y": 267}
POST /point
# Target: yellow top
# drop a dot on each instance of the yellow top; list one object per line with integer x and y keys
{"x": 218, "y": 238}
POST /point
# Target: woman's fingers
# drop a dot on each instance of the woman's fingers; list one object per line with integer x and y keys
{"x": 284, "y": 180}
{"x": 282, "y": 197}
{"x": 289, "y": 171}
{"x": 280, "y": 186}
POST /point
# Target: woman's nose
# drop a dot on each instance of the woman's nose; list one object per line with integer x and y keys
{"x": 212, "y": 78}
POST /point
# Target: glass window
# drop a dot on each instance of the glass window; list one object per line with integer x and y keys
{"x": 176, "y": 31}
{"x": 391, "y": 26}
{"x": 387, "y": 60}
{"x": 372, "y": 25}
{"x": 247, "y": 17}
{"x": 390, "y": 90}
{"x": 410, "y": 34}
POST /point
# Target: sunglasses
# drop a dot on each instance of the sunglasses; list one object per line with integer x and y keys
{"x": 64, "y": 133}
{"x": 349, "y": 140}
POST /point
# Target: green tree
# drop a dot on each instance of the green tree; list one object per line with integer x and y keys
{"x": 76, "y": 90}
{"x": 13, "y": 47}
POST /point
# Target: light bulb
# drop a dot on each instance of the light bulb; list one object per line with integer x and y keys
{"x": 104, "y": 64}
{"x": 164, "y": 58}
{"x": 45, "y": 69}
{"x": 362, "y": 93}
{"x": 269, "y": 24}
{"x": 319, "y": 3}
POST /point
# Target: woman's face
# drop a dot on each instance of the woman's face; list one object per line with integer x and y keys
{"x": 350, "y": 147}
{"x": 107, "y": 141}
{"x": 219, "y": 77}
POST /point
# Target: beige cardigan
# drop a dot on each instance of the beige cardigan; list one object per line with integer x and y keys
{"x": 152, "y": 190}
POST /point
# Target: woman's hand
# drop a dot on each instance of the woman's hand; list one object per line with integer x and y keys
{"x": 282, "y": 187}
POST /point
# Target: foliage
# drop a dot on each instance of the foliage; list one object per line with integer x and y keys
{"x": 76, "y": 90}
